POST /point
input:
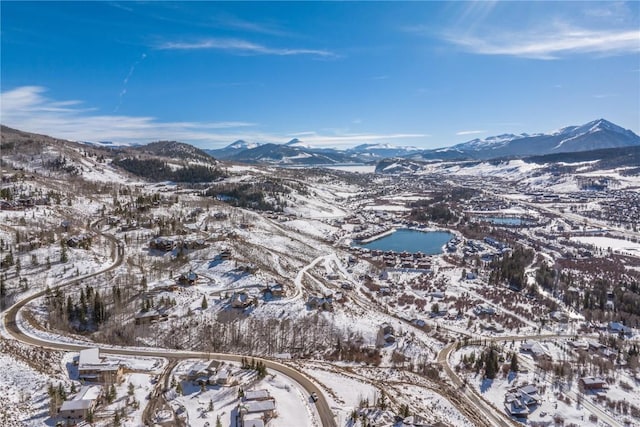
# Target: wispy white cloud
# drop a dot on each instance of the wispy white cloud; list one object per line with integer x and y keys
{"x": 241, "y": 47}
{"x": 348, "y": 139}
{"x": 550, "y": 43}
{"x": 28, "y": 108}
{"x": 470, "y": 132}
{"x": 123, "y": 91}
{"x": 604, "y": 95}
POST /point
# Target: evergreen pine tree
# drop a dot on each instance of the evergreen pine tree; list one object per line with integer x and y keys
{"x": 514, "y": 363}
{"x": 63, "y": 252}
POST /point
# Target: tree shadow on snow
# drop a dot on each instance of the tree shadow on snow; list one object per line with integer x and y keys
{"x": 486, "y": 385}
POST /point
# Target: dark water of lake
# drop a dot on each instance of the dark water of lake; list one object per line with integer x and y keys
{"x": 427, "y": 242}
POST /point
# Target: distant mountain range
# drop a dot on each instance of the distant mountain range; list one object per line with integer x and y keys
{"x": 299, "y": 152}
{"x": 627, "y": 158}
{"x": 595, "y": 135}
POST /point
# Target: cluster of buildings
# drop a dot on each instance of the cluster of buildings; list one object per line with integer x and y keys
{"x": 97, "y": 371}
{"x": 165, "y": 244}
{"x": 23, "y": 203}
{"x": 392, "y": 259}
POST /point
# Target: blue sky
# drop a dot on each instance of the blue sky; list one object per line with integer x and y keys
{"x": 426, "y": 74}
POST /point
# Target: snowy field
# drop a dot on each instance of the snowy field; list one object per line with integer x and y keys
{"x": 623, "y": 247}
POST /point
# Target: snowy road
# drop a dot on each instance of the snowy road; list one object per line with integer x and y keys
{"x": 12, "y": 327}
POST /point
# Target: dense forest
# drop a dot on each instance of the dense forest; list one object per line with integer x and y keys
{"x": 157, "y": 170}
{"x": 267, "y": 195}
{"x": 510, "y": 268}
{"x": 424, "y": 210}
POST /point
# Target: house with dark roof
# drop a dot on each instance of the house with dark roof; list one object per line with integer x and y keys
{"x": 592, "y": 383}
{"x": 619, "y": 328}
{"x": 187, "y": 279}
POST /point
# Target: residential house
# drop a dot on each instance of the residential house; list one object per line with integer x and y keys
{"x": 537, "y": 350}
{"x": 225, "y": 377}
{"x": 592, "y": 383}
{"x": 162, "y": 244}
{"x": 619, "y": 328}
{"x": 187, "y": 279}
{"x": 265, "y": 407}
{"x": 516, "y": 408}
{"x": 81, "y": 405}
{"x": 320, "y": 303}
{"x": 579, "y": 344}
{"x": 277, "y": 289}
{"x": 79, "y": 241}
{"x": 203, "y": 371}
{"x": 240, "y": 300}
{"x": 484, "y": 309}
{"x": 257, "y": 395}
{"x": 147, "y": 317}
{"x": 95, "y": 369}
{"x": 386, "y": 335}
{"x": 528, "y": 394}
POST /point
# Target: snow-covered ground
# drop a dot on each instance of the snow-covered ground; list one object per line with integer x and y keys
{"x": 202, "y": 405}
{"x": 304, "y": 249}
{"x": 620, "y": 246}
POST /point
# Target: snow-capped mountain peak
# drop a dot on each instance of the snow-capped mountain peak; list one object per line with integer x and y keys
{"x": 593, "y": 126}
{"x": 594, "y": 135}
{"x": 295, "y": 142}
{"x": 491, "y": 142}
{"x": 242, "y": 145}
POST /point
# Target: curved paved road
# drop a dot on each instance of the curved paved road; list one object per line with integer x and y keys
{"x": 480, "y": 402}
{"x": 498, "y": 419}
{"x": 13, "y": 328}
